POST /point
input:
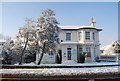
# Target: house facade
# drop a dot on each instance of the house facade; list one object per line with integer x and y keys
{"x": 1, "y": 44}
{"x": 77, "y": 39}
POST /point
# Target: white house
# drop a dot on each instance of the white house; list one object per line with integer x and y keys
{"x": 1, "y": 47}
{"x": 1, "y": 44}
{"x": 77, "y": 39}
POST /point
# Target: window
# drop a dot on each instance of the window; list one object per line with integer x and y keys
{"x": 51, "y": 55}
{"x": 68, "y": 36}
{"x": 80, "y": 50}
{"x": 88, "y": 50}
{"x": 93, "y": 36}
{"x": 87, "y": 35}
{"x": 80, "y": 35}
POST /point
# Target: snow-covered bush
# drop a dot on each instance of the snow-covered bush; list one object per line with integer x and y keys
{"x": 116, "y": 46}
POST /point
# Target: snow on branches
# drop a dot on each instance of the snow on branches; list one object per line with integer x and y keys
{"x": 35, "y": 37}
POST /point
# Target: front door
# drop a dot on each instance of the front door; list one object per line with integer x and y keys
{"x": 69, "y": 53}
{"x": 78, "y": 55}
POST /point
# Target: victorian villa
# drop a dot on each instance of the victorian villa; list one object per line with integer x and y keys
{"x": 77, "y": 39}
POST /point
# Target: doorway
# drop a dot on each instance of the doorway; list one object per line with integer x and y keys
{"x": 69, "y": 53}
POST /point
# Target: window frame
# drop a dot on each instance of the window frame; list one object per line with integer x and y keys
{"x": 93, "y": 36}
{"x": 88, "y": 52}
{"x": 68, "y": 37}
{"x": 87, "y": 36}
{"x": 80, "y": 35}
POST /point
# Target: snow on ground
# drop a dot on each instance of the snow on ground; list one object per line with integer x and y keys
{"x": 29, "y": 64}
{"x": 69, "y": 62}
{"x": 62, "y": 71}
{"x": 72, "y": 63}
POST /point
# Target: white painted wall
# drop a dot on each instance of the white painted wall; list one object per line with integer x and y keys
{"x": 48, "y": 59}
{"x": 73, "y": 51}
{"x": 94, "y": 44}
{"x": 74, "y": 34}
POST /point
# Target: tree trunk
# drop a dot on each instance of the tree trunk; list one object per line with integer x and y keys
{"x": 43, "y": 51}
{"x": 21, "y": 59}
{"x": 37, "y": 51}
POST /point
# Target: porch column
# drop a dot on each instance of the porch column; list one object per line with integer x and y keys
{"x": 84, "y": 48}
{"x": 91, "y": 36}
{"x": 92, "y": 53}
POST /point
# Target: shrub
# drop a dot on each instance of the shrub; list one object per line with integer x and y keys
{"x": 82, "y": 57}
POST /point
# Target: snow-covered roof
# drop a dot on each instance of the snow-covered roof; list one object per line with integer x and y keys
{"x": 74, "y": 27}
{"x": 106, "y": 47}
{"x": 78, "y": 27}
{"x": 69, "y": 27}
{"x": 2, "y": 40}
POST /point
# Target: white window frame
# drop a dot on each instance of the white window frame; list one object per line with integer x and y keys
{"x": 80, "y": 35}
{"x": 68, "y": 38}
{"x": 88, "y": 49}
{"x": 93, "y": 36}
{"x": 87, "y": 36}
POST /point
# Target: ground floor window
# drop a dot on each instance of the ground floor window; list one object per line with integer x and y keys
{"x": 51, "y": 55}
{"x": 80, "y": 50}
{"x": 88, "y": 50}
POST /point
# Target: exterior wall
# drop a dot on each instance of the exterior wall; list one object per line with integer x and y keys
{"x": 47, "y": 59}
{"x": 0, "y": 49}
{"x": 94, "y": 44}
{"x": 74, "y": 37}
{"x": 96, "y": 41}
{"x": 73, "y": 52}
{"x": 1, "y": 45}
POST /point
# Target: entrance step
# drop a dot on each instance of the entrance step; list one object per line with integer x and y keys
{"x": 88, "y": 60}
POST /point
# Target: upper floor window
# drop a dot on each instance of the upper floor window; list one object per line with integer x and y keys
{"x": 80, "y": 35}
{"x": 87, "y": 35}
{"x": 93, "y": 36}
{"x": 68, "y": 36}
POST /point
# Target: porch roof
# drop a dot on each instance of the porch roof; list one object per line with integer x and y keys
{"x": 62, "y": 43}
{"x": 77, "y": 43}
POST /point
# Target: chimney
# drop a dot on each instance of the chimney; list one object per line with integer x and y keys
{"x": 93, "y": 22}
